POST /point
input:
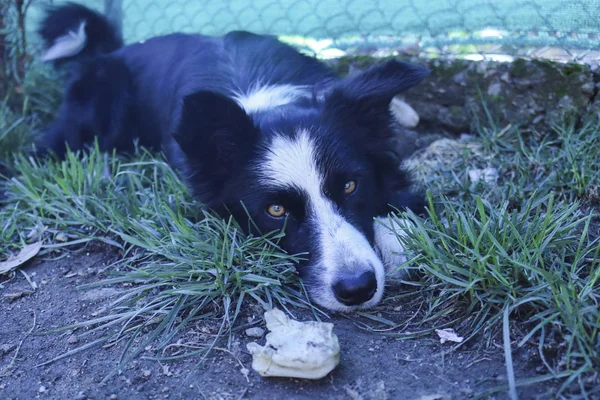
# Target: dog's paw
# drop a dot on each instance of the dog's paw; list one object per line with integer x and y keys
{"x": 391, "y": 251}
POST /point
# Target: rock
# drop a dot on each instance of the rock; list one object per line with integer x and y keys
{"x": 494, "y": 89}
{"x": 481, "y": 67}
{"x": 460, "y": 78}
{"x": 61, "y": 237}
{"x": 489, "y": 175}
{"x": 403, "y": 113}
{"x": 256, "y": 332}
{"x": 410, "y": 49}
{"x": 588, "y": 88}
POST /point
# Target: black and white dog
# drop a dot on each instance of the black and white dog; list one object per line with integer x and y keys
{"x": 254, "y": 127}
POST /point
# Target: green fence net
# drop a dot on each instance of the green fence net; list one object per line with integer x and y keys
{"x": 344, "y": 24}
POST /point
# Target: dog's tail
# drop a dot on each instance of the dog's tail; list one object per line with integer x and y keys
{"x": 73, "y": 32}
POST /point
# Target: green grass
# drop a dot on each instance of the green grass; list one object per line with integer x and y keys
{"x": 25, "y": 107}
{"x": 15, "y": 134}
{"x": 519, "y": 252}
{"x": 563, "y": 161}
{"x": 536, "y": 262}
{"x": 184, "y": 264}
{"x": 525, "y": 246}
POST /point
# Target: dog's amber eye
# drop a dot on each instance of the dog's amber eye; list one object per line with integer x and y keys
{"x": 276, "y": 210}
{"x": 349, "y": 187}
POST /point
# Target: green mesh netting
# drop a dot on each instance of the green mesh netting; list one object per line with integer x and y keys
{"x": 568, "y": 24}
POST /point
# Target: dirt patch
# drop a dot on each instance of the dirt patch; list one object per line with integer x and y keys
{"x": 372, "y": 366}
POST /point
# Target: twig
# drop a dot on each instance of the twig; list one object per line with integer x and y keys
{"x": 31, "y": 283}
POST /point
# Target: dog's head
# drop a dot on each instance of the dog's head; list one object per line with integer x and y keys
{"x": 321, "y": 171}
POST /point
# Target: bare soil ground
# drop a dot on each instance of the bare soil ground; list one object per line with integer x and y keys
{"x": 372, "y": 366}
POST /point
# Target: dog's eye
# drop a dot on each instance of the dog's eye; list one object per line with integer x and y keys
{"x": 276, "y": 210}
{"x": 349, "y": 187}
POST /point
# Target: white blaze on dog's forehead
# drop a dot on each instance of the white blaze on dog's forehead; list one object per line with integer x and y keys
{"x": 291, "y": 162}
{"x": 264, "y": 98}
{"x": 67, "y": 45}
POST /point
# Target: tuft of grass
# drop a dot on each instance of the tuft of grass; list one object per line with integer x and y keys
{"x": 564, "y": 161}
{"x": 523, "y": 246}
{"x": 181, "y": 264}
{"x": 535, "y": 261}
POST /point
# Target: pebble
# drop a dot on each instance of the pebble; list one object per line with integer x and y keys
{"x": 256, "y": 332}
{"x": 61, "y": 237}
{"x": 588, "y": 88}
{"x": 72, "y": 339}
{"x": 488, "y": 175}
{"x": 147, "y": 373}
{"x": 403, "y": 113}
{"x": 460, "y": 78}
{"x": 494, "y": 89}
{"x": 42, "y": 389}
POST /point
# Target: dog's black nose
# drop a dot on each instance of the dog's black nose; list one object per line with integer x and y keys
{"x": 355, "y": 289}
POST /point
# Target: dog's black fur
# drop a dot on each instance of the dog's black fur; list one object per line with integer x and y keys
{"x": 231, "y": 113}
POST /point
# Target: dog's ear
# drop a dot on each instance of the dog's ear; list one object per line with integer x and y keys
{"x": 369, "y": 93}
{"x": 362, "y": 101}
{"x": 217, "y": 137}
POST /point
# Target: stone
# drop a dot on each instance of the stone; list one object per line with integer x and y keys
{"x": 256, "y": 332}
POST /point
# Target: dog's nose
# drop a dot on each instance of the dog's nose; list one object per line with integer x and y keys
{"x": 355, "y": 289}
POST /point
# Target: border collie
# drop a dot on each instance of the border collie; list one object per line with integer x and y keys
{"x": 256, "y": 129}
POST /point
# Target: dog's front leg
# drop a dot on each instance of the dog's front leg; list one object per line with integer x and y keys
{"x": 388, "y": 245}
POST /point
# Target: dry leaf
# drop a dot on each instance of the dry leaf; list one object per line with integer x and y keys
{"x": 26, "y": 254}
